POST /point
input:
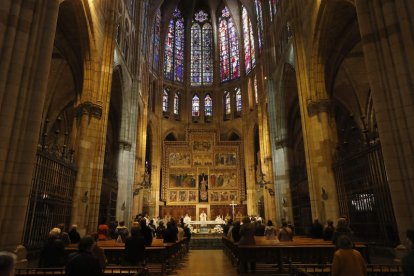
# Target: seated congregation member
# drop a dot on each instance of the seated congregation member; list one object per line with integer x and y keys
{"x": 98, "y": 252}
{"x": 64, "y": 236}
{"x": 342, "y": 229}
{"x": 328, "y": 231}
{"x": 187, "y": 232}
{"x": 53, "y": 252}
{"x": 170, "y": 234}
{"x": 146, "y": 232}
{"x": 316, "y": 231}
{"x": 407, "y": 262}
{"x": 83, "y": 262}
{"x": 259, "y": 228}
{"x": 121, "y": 232}
{"x": 180, "y": 234}
{"x": 347, "y": 261}
{"x": 159, "y": 233}
{"x": 135, "y": 247}
{"x": 285, "y": 233}
{"x": 74, "y": 234}
{"x": 103, "y": 231}
{"x": 227, "y": 227}
{"x": 7, "y": 263}
{"x": 270, "y": 231}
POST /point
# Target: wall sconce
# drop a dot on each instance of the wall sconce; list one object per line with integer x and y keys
{"x": 263, "y": 183}
{"x": 324, "y": 194}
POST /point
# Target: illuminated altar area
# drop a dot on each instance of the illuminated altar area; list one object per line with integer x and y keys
{"x": 202, "y": 174}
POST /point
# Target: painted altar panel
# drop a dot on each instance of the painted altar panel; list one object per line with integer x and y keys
{"x": 202, "y": 170}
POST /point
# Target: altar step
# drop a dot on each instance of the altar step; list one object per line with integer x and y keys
{"x": 200, "y": 243}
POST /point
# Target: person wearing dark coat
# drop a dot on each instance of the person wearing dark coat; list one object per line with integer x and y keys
{"x": 83, "y": 262}
{"x": 74, "y": 234}
{"x": 160, "y": 230}
{"x": 259, "y": 228}
{"x": 235, "y": 232}
{"x": 328, "y": 231}
{"x": 342, "y": 229}
{"x": 407, "y": 262}
{"x": 316, "y": 230}
{"x": 171, "y": 233}
{"x": 146, "y": 232}
{"x": 247, "y": 231}
{"x": 53, "y": 252}
{"x": 135, "y": 247}
{"x": 227, "y": 227}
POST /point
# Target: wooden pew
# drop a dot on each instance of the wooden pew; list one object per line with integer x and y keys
{"x": 300, "y": 250}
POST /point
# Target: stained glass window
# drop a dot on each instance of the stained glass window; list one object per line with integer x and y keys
{"x": 238, "y": 100}
{"x": 176, "y": 103}
{"x": 229, "y": 47}
{"x": 201, "y": 50}
{"x": 227, "y": 103}
{"x": 208, "y": 106}
{"x": 195, "y": 110}
{"x": 249, "y": 50}
{"x": 165, "y": 100}
{"x": 256, "y": 92}
{"x": 174, "y": 48}
{"x": 156, "y": 40}
{"x": 259, "y": 17}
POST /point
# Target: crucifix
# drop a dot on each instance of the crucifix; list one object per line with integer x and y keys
{"x": 232, "y": 204}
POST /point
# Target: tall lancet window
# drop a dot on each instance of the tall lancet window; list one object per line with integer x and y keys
{"x": 176, "y": 103}
{"x": 249, "y": 52}
{"x": 156, "y": 41}
{"x": 208, "y": 106}
{"x": 165, "y": 96}
{"x": 201, "y": 50}
{"x": 238, "y": 100}
{"x": 259, "y": 16}
{"x": 229, "y": 47}
{"x": 195, "y": 106}
{"x": 227, "y": 103}
{"x": 174, "y": 49}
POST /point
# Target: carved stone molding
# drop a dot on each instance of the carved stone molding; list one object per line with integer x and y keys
{"x": 319, "y": 106}
{"x": 90, "y": 109}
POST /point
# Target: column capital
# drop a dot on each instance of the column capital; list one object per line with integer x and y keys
{"x": 88, "y": 108}
{"x": 317, "y": 106}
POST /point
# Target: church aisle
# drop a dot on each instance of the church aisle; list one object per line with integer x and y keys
{"x": 205, "y": 263}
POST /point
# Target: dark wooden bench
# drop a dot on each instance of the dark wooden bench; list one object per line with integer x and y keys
{"x": 300, "y": 250}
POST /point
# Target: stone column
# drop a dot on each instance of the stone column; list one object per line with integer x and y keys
{"x": 317, "y": 128}
{"x": 27, "y": 31}
{"x": 388, "y": 42}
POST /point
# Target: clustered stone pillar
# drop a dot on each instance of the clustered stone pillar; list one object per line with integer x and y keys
{"x": 27, "y": 30}
{"x": 388, "y": 42}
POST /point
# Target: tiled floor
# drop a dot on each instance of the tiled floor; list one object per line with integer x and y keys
{"x": 205, "y": 263}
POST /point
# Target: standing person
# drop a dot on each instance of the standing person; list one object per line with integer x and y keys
{"x": 328, "y": 231}
{"x": 83, "y": 262}
{"x": 74, "y": 234}
{"x": 7, "y": 263}
{"x": 98, "y": 252}
{"x": 53, "y": 252}
{"x": 270, "y": 231}
{"x": 135, "y": 247}
{"x": 247, "y": 231}
{"x": 146, "y": 232}
{"x": 285, "y": 233}
{"x": 407, "y": 262}
{"x": 160, "y": 230}
{"x": 347, "y": 261}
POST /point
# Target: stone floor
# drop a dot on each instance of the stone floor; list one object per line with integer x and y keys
{"x": 205, "y": 263}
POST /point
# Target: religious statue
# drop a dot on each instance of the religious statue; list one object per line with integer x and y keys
{"x": 203, "y": 182}
{"x": 203, "y": 216}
